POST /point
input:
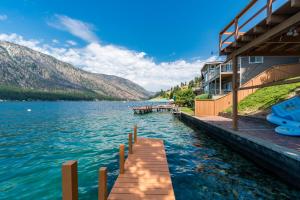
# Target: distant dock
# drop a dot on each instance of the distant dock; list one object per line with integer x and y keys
{"x": 158, "y": 108}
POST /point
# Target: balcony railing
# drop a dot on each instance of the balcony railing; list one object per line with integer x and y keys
{"x": 241, "y": 22}
{"x": 226, "y": 67}
{"x": 217, "y": 91}
{"x": 212, "y": 74}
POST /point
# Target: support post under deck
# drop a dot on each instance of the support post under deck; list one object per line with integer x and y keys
{"x": 234, "y": 93}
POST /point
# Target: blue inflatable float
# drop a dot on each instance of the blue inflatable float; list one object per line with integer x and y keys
{"x": 287, "y": 115}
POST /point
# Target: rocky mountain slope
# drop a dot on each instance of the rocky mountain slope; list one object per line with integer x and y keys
{"x": 25, "y": 68}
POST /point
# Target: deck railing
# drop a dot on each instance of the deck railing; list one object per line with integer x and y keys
{"x": 238, "y": 25}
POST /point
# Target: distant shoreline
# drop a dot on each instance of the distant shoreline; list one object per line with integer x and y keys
{"x": 10, "y": 93}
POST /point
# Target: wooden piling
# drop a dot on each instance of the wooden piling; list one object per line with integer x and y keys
{"x": 69, "y": 180}
{"x": 102, "y": 184}
{"x": 135, "y": 133}
{"x": 122, "y": 159}
{"x": 130, "y": 143}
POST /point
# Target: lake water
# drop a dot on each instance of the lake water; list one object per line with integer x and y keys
{"x": 33, "y": 146}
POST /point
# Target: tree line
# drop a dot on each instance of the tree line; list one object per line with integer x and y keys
{"x": 182, "y": 94}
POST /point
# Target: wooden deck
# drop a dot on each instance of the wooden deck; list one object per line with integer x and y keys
{"x": 146, "y": 174}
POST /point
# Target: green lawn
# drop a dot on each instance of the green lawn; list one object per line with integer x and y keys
{"x": 187, "y": 110}
{"x": 264, "y": 98}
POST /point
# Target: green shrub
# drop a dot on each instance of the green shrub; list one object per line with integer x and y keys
{"x": 185, "y": 97}
{"x": 203, "y": 96}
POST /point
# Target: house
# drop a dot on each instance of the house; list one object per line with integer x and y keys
{"x": 217, "y": 76}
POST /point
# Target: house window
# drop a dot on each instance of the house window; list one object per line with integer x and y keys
{"x": 256, "y": 59}
{"x": 240, "y": 62}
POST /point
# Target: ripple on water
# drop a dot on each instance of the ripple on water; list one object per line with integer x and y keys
{"x": 33, "y": 145}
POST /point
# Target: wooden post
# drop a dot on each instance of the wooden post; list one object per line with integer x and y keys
{"x": 234, "y": 93}
{"x": 69, "y": 180}
{"x": 130, "y": 143}
{"x": 220, "y": 85}
{"x": 216, "y": 86}
{"x": 122, "y": 159}
{"x": 135, "y": 133}
{"x": 220, "y": 42}
{"x": 102, "y": 184}
{"x": 269, "y": 10}
{"x": 236, "y": 28}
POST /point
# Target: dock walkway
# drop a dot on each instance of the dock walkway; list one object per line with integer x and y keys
{"x": 146, "y": 174}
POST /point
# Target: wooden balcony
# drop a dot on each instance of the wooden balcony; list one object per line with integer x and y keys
{"x": 277, "y": 34}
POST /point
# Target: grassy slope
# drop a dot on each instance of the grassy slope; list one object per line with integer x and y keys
{"x": 264, "y": 98}
{"x": 187, "y": 110}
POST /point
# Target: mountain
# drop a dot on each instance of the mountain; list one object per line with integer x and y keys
{"x": 29, "y": 70}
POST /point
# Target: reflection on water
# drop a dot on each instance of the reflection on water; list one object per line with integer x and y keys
{"x": 34, "y": 144}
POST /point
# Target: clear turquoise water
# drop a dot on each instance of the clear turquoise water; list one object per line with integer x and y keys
{"x": 33, "y": 146}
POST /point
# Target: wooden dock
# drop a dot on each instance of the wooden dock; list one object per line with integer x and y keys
{"x": 146, "y": 174}
{"x": 143, "y": 176}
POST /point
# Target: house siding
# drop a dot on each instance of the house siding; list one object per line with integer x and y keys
{"x": 248, "y": 71}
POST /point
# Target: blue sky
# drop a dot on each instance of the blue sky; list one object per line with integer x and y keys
{"x": 165, "y": 38}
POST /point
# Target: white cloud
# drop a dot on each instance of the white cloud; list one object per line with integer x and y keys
{"x": 114, "y": 60}
{"x": 55, "y": 41}
{"x": 76, "y": 27}
{"x": 3, "y": 17}
{"x": 71, "y": 42}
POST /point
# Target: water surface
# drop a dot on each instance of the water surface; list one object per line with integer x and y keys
{"x": 33, "y": 146}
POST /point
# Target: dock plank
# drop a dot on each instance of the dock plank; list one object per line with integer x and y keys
{"x": 146, "y": 174}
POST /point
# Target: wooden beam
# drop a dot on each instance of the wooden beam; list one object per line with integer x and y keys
{"x": 278, "y": 47}
{"x": 269, "y": 34}
{"x": 228, "y": 50}
{"x": 261, "y": 48}
{"x": 293, "y": 47}
{"x": 247, "y": 38}
{"x": 284, "y": 38}
{"x": 231, "y": 33}
{"x": 295, "y": 3}
{"x": 283, "y": 82}
{"x": 259, "y": 30}
{"x": 236, "y": 28}
{"x": 276, "y": 19}
{"x": 269, "y": 10}
{"x": 235, "y": 93}
{"x": 292, "y": 52}
{"x": 237, "y": 44}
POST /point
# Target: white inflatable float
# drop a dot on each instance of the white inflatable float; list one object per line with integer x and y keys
{"x": 287, "y": 116}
